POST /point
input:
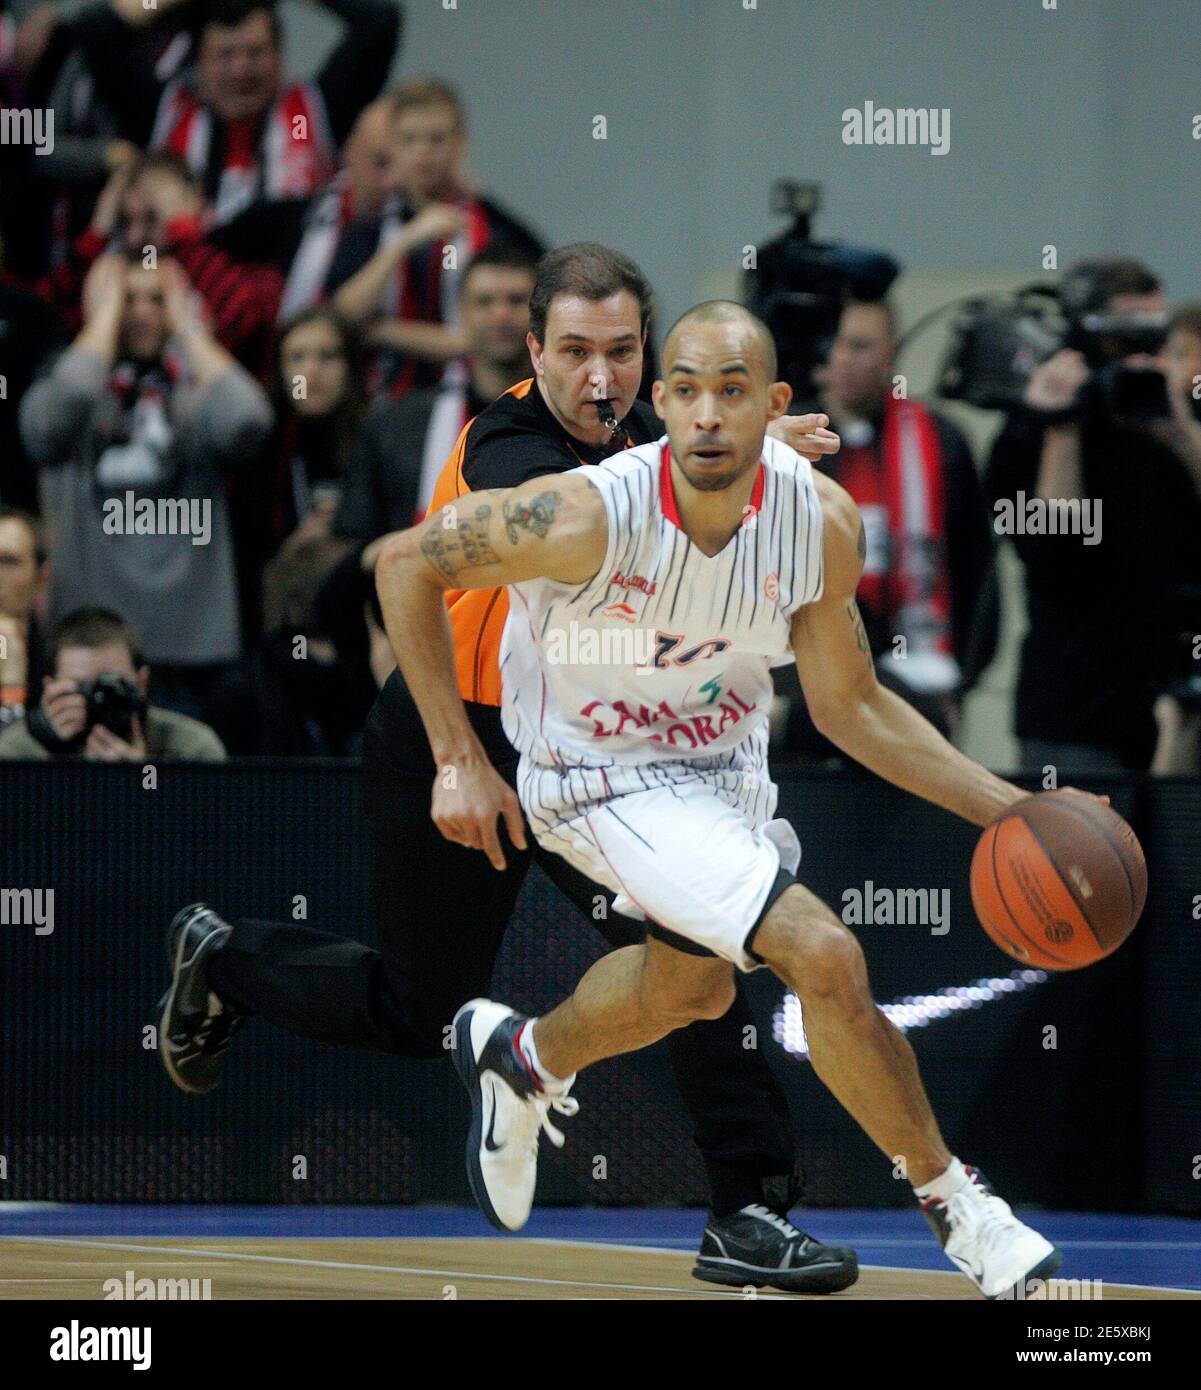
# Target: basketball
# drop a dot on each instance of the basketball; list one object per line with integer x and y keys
{"x": 1060, "y": 881}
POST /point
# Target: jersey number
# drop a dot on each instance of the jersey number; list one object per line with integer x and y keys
{"x": 666, "y": 643}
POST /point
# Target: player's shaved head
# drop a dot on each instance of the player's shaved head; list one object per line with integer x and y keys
{"x": 723, "y": 311}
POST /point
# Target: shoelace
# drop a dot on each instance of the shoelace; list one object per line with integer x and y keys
{"x": 987, "y": 1219}
{"x": 773, "y": 1218}
{"x": 563, "y": 1105}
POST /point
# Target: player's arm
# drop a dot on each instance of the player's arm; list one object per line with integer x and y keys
{"x": 869, "y": 722}
{"x": 551, "y": 528}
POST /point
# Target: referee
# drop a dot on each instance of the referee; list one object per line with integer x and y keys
{"x": 441, "y": 907}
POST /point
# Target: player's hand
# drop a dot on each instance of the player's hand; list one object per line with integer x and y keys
{"x": 1055, "y": 383}
{"x": 469, "y": 796}
{"x": 65, "y": 708}
{"x": 1103, "y": 799}
{"x": 807, "y": 434}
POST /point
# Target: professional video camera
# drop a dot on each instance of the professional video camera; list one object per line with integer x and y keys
{"x": 799, "y": 286}
{"x": 998, "y": 340}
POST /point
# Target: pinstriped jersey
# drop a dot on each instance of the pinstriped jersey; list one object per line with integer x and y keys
{"x": 666, "y": 653}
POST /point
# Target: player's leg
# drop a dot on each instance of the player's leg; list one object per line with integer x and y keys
{"x": 740, "y": 1123}
{"x": 869, "y": 1066}
{"x": 858, "y": 1054}
{"x": 647, "y": 851}
{"x": 738, "y": 1108}
{"x": 628, "y": 1000}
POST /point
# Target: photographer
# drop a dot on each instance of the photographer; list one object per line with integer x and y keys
{"x": 1091, "y": 662}
{"x": 94, "y": 702}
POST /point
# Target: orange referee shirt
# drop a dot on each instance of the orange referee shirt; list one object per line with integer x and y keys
{"x": 516, "y": 438}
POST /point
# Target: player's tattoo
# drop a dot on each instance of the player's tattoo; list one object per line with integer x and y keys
{"x": 860, "y": 631}
{"x": 463, "y": 546}
{"x": 862, "y": 540}
{"x": 536, "y": 515}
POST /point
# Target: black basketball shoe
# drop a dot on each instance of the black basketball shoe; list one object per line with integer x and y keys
{"x": 195, "y": 1028}
{"x": 758, "y": 1246}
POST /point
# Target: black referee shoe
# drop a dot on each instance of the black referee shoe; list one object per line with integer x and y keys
{"x": 195, "y": 1028}
{"x": 759, "y": 1247}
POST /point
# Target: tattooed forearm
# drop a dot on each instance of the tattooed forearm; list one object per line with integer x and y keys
{"x": 457, "y": 540}
{"x": 860, "y": 631}
{"x": 534, "y": 515}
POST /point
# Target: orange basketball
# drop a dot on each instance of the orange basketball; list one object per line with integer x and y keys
{"x": 1060, "y": 881}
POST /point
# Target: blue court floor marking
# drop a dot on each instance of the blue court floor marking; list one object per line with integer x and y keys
{"x": 1158, "y": 1250}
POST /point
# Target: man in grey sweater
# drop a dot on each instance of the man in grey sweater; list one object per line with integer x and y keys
{"x": 133, "y": 429}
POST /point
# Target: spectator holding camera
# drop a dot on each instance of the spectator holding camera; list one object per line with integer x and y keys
{"x": 134, "y": 428}
{"x": 93, "y": 702}
{"x": 1092, "y": 661}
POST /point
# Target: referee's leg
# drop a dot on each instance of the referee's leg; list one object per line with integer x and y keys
{"x": 440, "y": 911}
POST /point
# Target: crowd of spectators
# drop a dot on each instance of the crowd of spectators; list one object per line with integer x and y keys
{"x": 243, "y": 319}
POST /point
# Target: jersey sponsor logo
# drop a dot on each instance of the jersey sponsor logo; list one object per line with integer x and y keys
{"x": 671, "y": 728}
{"x": 623, "y": 611}
{"x": 633, "y": 581}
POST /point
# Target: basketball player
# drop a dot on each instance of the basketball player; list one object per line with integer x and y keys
{"x": 647, "y": 771}
{"x": 441, "y": 909}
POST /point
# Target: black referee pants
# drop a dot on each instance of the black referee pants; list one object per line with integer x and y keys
{"x": 441, "y": 911}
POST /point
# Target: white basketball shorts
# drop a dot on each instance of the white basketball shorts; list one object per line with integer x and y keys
{"x": 688, "y": 847}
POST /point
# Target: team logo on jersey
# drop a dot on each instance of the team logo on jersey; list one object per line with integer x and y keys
{"x": 622, "y": 611}
{"x": 633, "y": 581}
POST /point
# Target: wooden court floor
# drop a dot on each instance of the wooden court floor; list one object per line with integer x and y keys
{"x": 77, "y": 1268}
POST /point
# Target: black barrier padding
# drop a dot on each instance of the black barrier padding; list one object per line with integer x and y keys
{"x": 1106, "y": 1118}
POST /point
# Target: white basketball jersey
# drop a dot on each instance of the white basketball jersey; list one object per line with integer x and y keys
{"x": 665, "y": 654}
